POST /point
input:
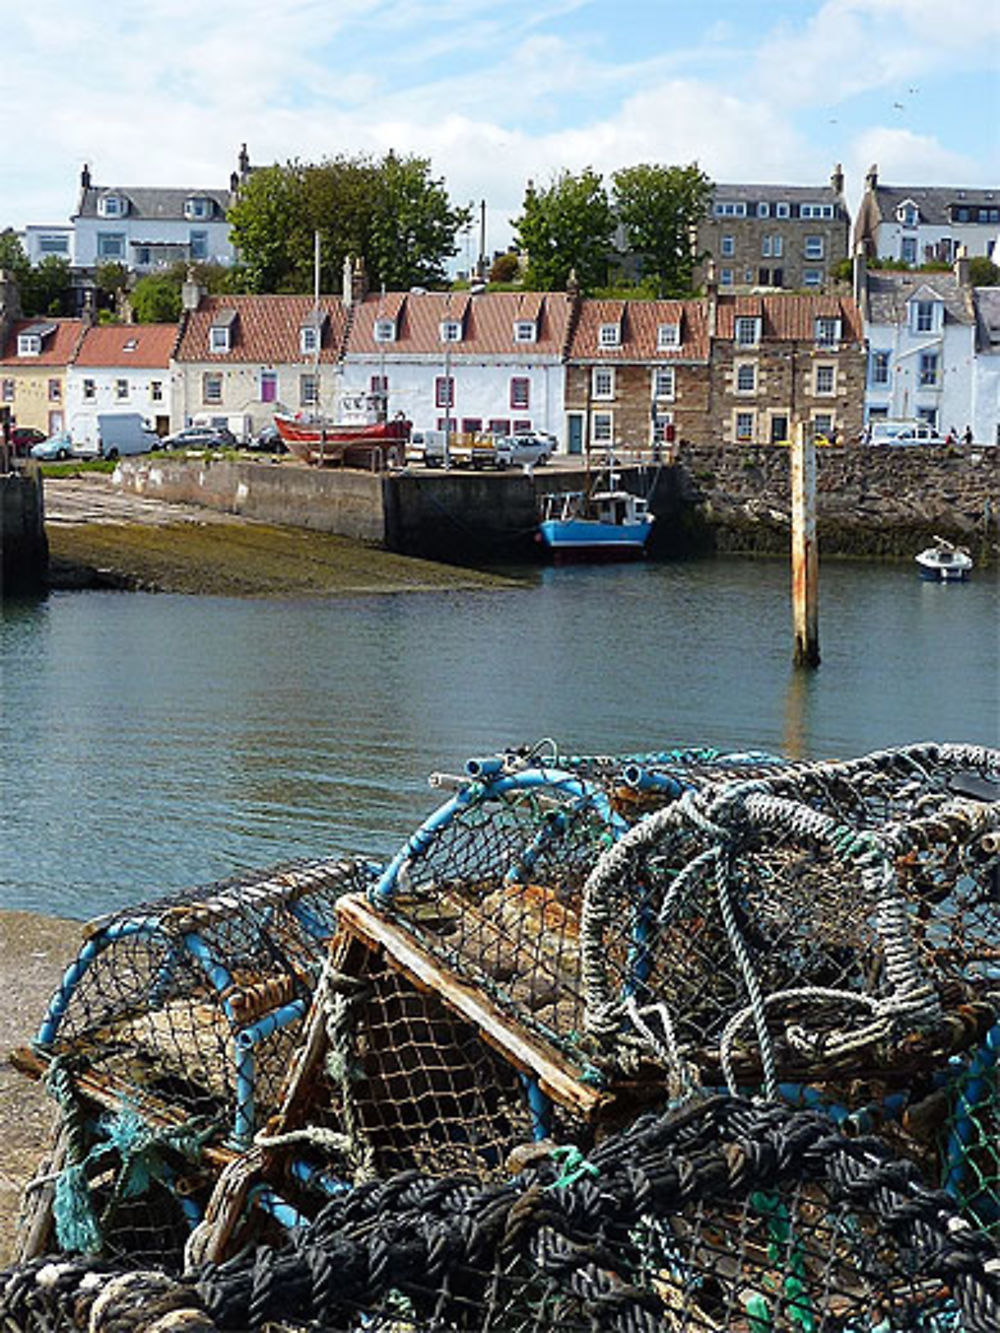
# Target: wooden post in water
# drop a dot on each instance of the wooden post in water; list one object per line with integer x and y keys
{"x": 805, "y": 562}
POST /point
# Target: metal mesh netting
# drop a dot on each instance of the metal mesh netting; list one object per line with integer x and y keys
{"x": 723, "y": 1216}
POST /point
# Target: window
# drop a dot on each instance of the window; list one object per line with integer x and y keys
{"x": 825, "y": 380}
{"x": 308, "y": 390}
{"x": 777, "y": 277}
{"x": 779, "y": 428}
{"x": 748, "y": 276}
{"x": 812, "y": 277}
{"x": 384, "y": 331}
{"x": 746, "y": 377}
{"x": 471, "y": 425}
{"x": 822, "y": 424}
{"x": 89, "y": 391}
{"x": 928, "y": 414}
{"x": 130, "y": 345}
{"x": 963, "y": 215}
{"x": 908, "y": 250}
{"x": 661, "y": 420}
{"x": 197, "y": 207}
{"x": 763, "y": 277}
{"x": 111, "y": 206}
{"x": 308, "y": 340}
{"x": 744, "y": 426}
{"x": 524, "y": 331}
{"x": 444, "y": 391}
{"x": 448, "y": 424}
{"x": 663, "y": 382}
{"x": 121, "y": 391}
{"x": 199, "y": 245}
{"x": 609, "y": 335}
{"x": 602, "y": 427}
{"x": 211, "y": 387}
{"x": 55, "y": 391}
{"x": 603, "y": 382}
{"x": 772, "y": 246}
{"x": 520, "y": 393}
{"x": 218, "y": 338}
{"x": 827, "y": 331}
{"x": 156, "y": 390}
{"x": 53, "y": 245}
{"x": 29, "y": 344}
{"x": 268, "y": 386}
{"x": 908, "y": 215}
{"x": 782, "y": 211}
{"x": 7, "y": 391}
{"x": 730, "y": 210}
{"x": 814, "y": 247}
{"x": 878, "y": 367}
{"x": 923, "y": 316}
{"x": 928, "y": 370}
{"x": 451, "y": 331}
{"x": 727, "y": 246}
{"x": 521, "y": 426}
{"x": 499, "y": 426}
{"x": 110, "y": 245}
{"x": 143, "y": 256}
{"x": 815, "y": 210}
{"x": 747, "y": 331}
{"x": 726, "y": 277}
{"x": 763, "y": 210}
{"x": 379, "y": 384}
{"x": 668, "y": 335}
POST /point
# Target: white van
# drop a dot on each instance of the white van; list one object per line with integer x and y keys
{"x": 888, "y": 430}
{"x": 114, "y": 435}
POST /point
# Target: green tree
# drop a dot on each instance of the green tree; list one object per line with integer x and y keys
{"x": 13, "y": 260}
{"x": 983, "y": 272}
{"x": 156, "y": 299}
{"x": 46, "y": 287}
{"x": 505, "y": 268}
{"x": 265, "y": 223}
{"x": 413, "y": 226}
{"x": 660, "y": 208}
{"x": 567, "y": 226}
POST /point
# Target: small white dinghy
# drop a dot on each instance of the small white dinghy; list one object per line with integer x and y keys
{"x": 944, "y": 562}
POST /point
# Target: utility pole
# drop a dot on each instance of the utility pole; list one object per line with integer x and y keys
{"x": 805, "y": 560}
{"x": 482, "y": 240}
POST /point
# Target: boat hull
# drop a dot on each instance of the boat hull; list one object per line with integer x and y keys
{"x": 591, "y": 539}
{"x": 937, "y": 574}
{"x": 944, "y": 565}
{"x": 322, "y": 443}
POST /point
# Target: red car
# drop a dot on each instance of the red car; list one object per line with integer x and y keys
{"x": 22, "y": 438}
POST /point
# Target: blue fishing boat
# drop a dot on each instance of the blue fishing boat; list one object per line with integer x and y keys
{"x": 607, "y": 523}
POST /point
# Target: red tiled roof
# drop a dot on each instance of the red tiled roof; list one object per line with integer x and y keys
{"x": 640, "y": 323}
{"x": 792, "y": 316}
{"x": 487, "y": 323}
{"x": 266, "y": 329}
{"x": 146, "y": 345}
{"x": 57, "y": 348}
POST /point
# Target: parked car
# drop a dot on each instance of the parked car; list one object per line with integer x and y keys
{"x": 200, "y": 437}
{"x": 22, "y": 438}
{"x": 56, "y": 447}
{"x": 524, "y": 450}
{"x": 268, "y": 441}
{"x": 888, "y": 431}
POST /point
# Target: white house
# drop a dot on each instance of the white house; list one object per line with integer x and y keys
{"x": 921, "y": 332}
{"x": 917, "y": 224}
{"x": 42, "y": 242}
{"x": 120, "y": 368}
{"x": 986, "y": 383}
{"x": 488, "y": 362}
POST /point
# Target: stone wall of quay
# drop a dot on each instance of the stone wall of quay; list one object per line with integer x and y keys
{"x": 24, "y": 550}
{"x": 870, "y": 501}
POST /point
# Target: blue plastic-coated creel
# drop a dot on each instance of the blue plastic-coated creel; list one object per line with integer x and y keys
{"x": 78, "y": 968}
{"x": 540, "y": 1105}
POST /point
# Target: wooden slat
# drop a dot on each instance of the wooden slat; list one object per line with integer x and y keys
{"x": 523, "y": 1050}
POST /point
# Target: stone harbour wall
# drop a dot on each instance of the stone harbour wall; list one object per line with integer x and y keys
{"x": 870, "y": 501}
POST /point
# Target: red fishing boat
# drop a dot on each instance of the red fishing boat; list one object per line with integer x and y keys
{"x": 362, "y": 430}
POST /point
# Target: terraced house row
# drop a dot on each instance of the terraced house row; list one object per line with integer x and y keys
{"x": 728, "y": 368}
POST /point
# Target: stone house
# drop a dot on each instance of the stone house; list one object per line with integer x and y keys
{"x": 238, "y": 359}
{"x": 781, "y": 361}
{"x": 492, "y": 361}
{"x": 775, "y": 236}
{"x": 919, "y": 224}
{"x": 33, "y": 365}
{"x": 120, "y": 368}
{"x": 636, "y": 374}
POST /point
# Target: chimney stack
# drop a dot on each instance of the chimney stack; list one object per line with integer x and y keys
{"x": 244, "y": 162}
{"x": 837, "y": 180}
{"x": 859, "y": 277}
{"x": 871, "y": 180}
{"x": 961, "y": 266}
{"x": 191, "y": 291}
{"x": 85, "y": 177}
{"x": 712, "y": 297}
{"x": 359, "y": 281}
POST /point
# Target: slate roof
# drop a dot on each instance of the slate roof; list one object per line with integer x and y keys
{"x": 57, "y": 349}
{"x": 153, "y": 202}
{"x": 987, "y": 301}
{"x": 804, "y": 194}
{"x": 889, "y": 291}
{"x": 265, "y": 329}
{"x": 487, "y": 324}
{"x": 933, "y": 201}
{"x": 109, "y": 345}
{"x": 640, "y": 322}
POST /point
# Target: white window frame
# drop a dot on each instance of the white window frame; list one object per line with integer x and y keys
{"x": 828, "y": 371}
{"x": 668, "y": 335}
{"x": 211, "y": 379}
{"x": 29, "y": 344}
{"x": 782, "y": 210}
{"x": 89, "y": 391}
{"x": 828, "y": 330}
{"x": 725, "y": 277}
{"x": 929, "y": 370}
{"x": 605, "y": 435}
{"x": 450, "y": 331}
{"x": 813, "y": 248}
{"x": 745, "y": 370}
{"x": 111, "y": 206}
{"x": 384, "y": 331}
{"x": 879, "y": 357}
{"x": 763, "y": 209}
{"x": 198, "y": 244}
{"x": 521, "y": 403}
{"x": 218, "y": 339}
{"x": 309, "y": 340}
{"x": 812, "y": 277}
{"x": 908, "y": 249}
{"x": 664, "y": 383}
{"x": 197, "y": 208}
{"x": 822, "y": 424}
{"x": 932, "y": 323}
{"x": 110, "y": 245}
{"x": 727, "y": 246}
{"x": 308, "y": 390}
{"x": 121, "y": 390}
{"x": 602, "y": 383}
{"x": 525, "y": 331}
{"x": 609, "y": 335}
{"x": 746, "y": 331}
{"x": 744, "y": 414}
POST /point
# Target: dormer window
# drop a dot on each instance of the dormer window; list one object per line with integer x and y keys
{"x": 29, "y": 344}
{"x": 827, "y": 332}
{"x": 384, "y": 331}
{"x": 747, "y": 331}
{"x": 525, "y": 331}
{"x": 111, "y": 206}
{"x": 926, "y": 316}
{"x": 668, "y": 335}
{"x": 609, "y": 335}
{"x": 308, "y": 340}
{"x": 130, "y": 345}
{"x": 907, "y": 214}
{"x": 782, "y": 210}
{"x": 220, "y": 335}
{"x": 196, "y": 207}
{"x": 451, "y": 331}
{"x": 763, "y": 209}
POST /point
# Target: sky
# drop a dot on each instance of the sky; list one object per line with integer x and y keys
{"x": 164, "y": 92}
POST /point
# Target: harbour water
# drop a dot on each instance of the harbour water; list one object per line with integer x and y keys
{"x": 149, "y": 743}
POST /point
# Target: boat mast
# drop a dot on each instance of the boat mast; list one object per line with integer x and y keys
{"x": 316, "y": 339}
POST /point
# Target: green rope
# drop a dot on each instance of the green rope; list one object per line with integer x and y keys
{"x": 574, "y": 1166}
